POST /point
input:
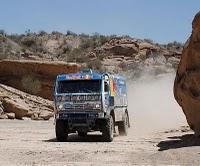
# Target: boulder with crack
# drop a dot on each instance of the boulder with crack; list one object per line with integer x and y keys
{"x": 187, "y": 82}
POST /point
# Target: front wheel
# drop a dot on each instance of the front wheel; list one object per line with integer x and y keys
{"x": 108, "y": 130}
{"x": 61, "y": 131}
{"x": 123, "y": 125}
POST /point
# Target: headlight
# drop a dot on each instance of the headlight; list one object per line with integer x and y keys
{"x": 60, "y": 107}
{"x": 92, "y": 106}
{"x": 97, "y": 105}
{"x": 59, "y": 98}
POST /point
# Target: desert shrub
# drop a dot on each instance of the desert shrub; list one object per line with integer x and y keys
{"x": 2, "y": 32}
{"x": 103, "y": 39}
{"x": 31, "y": 84}
{"x": 95, "y": 64}
{"x": 76, "y": 52}
{"x": 3, "y": 56}
{"x": 66, "y": 49}
{"x": 148, "y": 41}
{"x": 42, "y": 33}
{"x": 71, "y": 33}
{"x": 72, "y": 55}
{"x": 175, "y": 44}
{"x": 85, "y": 44}
{"x": 83, "y": 35}
{"x": 28, "y": 42}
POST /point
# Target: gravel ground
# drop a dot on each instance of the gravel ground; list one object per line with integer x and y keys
{"x": 33, "y": 143}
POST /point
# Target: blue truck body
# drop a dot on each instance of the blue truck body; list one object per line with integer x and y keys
{"x": 90, "y": 101}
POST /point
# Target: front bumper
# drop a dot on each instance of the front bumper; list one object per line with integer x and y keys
{"x": 80, "y": 119}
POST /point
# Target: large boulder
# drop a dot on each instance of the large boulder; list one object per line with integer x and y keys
{"x": 11, "y": 106}
{"x": 18, "y": 104}
{"x": 34, "y": 77}
{"x": 187, "y": 82}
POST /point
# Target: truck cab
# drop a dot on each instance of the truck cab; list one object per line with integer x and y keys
{"x": 90, "y": 101}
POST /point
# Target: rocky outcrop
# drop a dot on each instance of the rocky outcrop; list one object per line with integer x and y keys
{"x": 17, "y": 104}
{"x": 187, "y": 82}
{"x": 126, "y": 53}
{"x": 34, "y": 77}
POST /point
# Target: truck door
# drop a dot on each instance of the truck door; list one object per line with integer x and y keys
{"x": 106, "y": 94}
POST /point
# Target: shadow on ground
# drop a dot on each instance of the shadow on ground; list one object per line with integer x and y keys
{"x": 76, "y": 138}
{"x": 179, "y": 142}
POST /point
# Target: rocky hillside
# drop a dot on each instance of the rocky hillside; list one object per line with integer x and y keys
{"x": 125, "y": 54}
{"x": 187, "y": 83}
{"x": 113, "y": 53}
{"x": 31, "y": 61}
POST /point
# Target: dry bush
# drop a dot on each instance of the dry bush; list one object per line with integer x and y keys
{"x": 95, "y": 64}
{"x": 31, "y": 84}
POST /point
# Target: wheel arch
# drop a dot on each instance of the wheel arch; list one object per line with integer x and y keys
{"x": 126, "y": 111}
{"x": 112, "y": 113}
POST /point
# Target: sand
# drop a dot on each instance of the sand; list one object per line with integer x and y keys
{"x": 158, "y": 136}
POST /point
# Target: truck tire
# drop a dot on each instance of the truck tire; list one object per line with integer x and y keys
{"x": 108, "y": 130}
{"x": 61, "y": 131}
{"x": 124, "y": 125}
{"x": 82, "y": 134}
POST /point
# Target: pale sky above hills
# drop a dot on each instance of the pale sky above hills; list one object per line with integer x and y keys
{"x": 160, "y": 20}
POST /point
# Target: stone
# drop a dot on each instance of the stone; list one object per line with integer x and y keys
{"x": 11, "y": 115}
{"x": 1, "y": 110}
{"x": 3, "y": 116}
{"x": 187, "y": 81}
{"x": 11, "y": 106}
{"x": 46, "y": 115}
{"x": 22, "y": 104}
{"x": 35, "y": 116}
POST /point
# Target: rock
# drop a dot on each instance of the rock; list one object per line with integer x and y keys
{"x": 30, "y": 113}
{"x": 174, "y": 61}
{"x": 187, "y": 81}
{"x": 1, "y": 110}
{"x": 3, "y": 116}
{"x": 34, "y": 77}
{"x": 121, "y": 46}
{"x": 35, "y": 116}
{"x": 11, "y": 106}
{"x": 11, "y": 115}
{"x": 145, "y": 45}
{"x": 134, "y": 50}
{"x": 46, "y": 115}
{"x": 23, "y": 104}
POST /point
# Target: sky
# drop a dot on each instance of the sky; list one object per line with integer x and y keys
{"x": 162, "y": 21}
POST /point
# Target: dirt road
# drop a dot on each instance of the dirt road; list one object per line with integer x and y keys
{"x": 33, "y": 143}
{"x": 155, "y": 137}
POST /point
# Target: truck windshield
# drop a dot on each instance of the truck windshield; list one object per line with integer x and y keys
{"x": 79, "y": 86}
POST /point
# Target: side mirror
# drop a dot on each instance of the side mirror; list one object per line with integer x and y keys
{"x": 111, "y": 101}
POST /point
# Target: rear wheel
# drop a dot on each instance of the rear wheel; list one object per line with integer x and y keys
{"x": 61, "y": 131}
{"x": 123, "y": 125}
{"x": 108, "y": 130}
{"x": 82, "y": 134}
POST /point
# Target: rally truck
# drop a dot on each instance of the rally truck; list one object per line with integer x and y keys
{"x": 90, "y": 101}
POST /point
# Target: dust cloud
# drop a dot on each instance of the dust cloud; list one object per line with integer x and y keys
{"x": 152, "y": 106}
